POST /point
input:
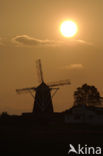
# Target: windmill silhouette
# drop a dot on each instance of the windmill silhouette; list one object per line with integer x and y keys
{"x": 43, "y": 97}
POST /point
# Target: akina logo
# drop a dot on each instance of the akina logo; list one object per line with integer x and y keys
{"x": 82, "y": 150}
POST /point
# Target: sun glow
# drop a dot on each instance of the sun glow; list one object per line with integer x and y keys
{"x": 68, "y": 29}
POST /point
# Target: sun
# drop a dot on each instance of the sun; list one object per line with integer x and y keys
{"x": 68, "y": 28}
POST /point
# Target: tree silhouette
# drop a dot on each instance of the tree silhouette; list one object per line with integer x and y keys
{"x": 87, "y": 95}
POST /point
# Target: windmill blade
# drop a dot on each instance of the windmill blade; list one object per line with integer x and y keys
{"x": 56, "y": 89}
{"x": 59, "y": 83}
{"x": 25, "y": 90}
{"x": 39, "y": 70}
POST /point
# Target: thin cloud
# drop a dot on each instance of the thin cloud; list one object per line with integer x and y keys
{"x": 72, "y": 42}
{"x": 25, "y": 40}
{"x": 30, "y": 41}
{"x": 74, "y": 67}
{"x": 84, "y": 42}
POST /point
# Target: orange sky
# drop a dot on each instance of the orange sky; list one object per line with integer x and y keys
{"x": 30, "y": 30}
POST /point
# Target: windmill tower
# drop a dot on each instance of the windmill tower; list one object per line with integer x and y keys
{"x": 43, "y": 97}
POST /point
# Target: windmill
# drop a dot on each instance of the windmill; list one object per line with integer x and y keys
{"x": 43, "y": 97}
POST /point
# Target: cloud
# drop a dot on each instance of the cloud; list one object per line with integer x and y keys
{"x": 84, "y": 42}
{"x": 30, "y": 41}
{"x": 74, "y": 67}
{"x": 72, "y": 42}
{"x": 25, "y": 40}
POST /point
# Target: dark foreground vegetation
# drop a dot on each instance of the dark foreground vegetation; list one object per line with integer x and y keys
{"x": 40, "y": 135}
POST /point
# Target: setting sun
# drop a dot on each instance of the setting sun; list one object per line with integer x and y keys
{"x": 68, "y": 29}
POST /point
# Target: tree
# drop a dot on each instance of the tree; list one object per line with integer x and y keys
{"x": 87, "y": 95}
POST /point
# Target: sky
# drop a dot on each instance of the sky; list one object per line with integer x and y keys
{"x": 30, "y": 30}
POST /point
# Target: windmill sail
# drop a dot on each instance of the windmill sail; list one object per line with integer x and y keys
{"x": 39, "y": 71}
{"x": 59, "y": 83}
{"x": 25, "y": 89}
